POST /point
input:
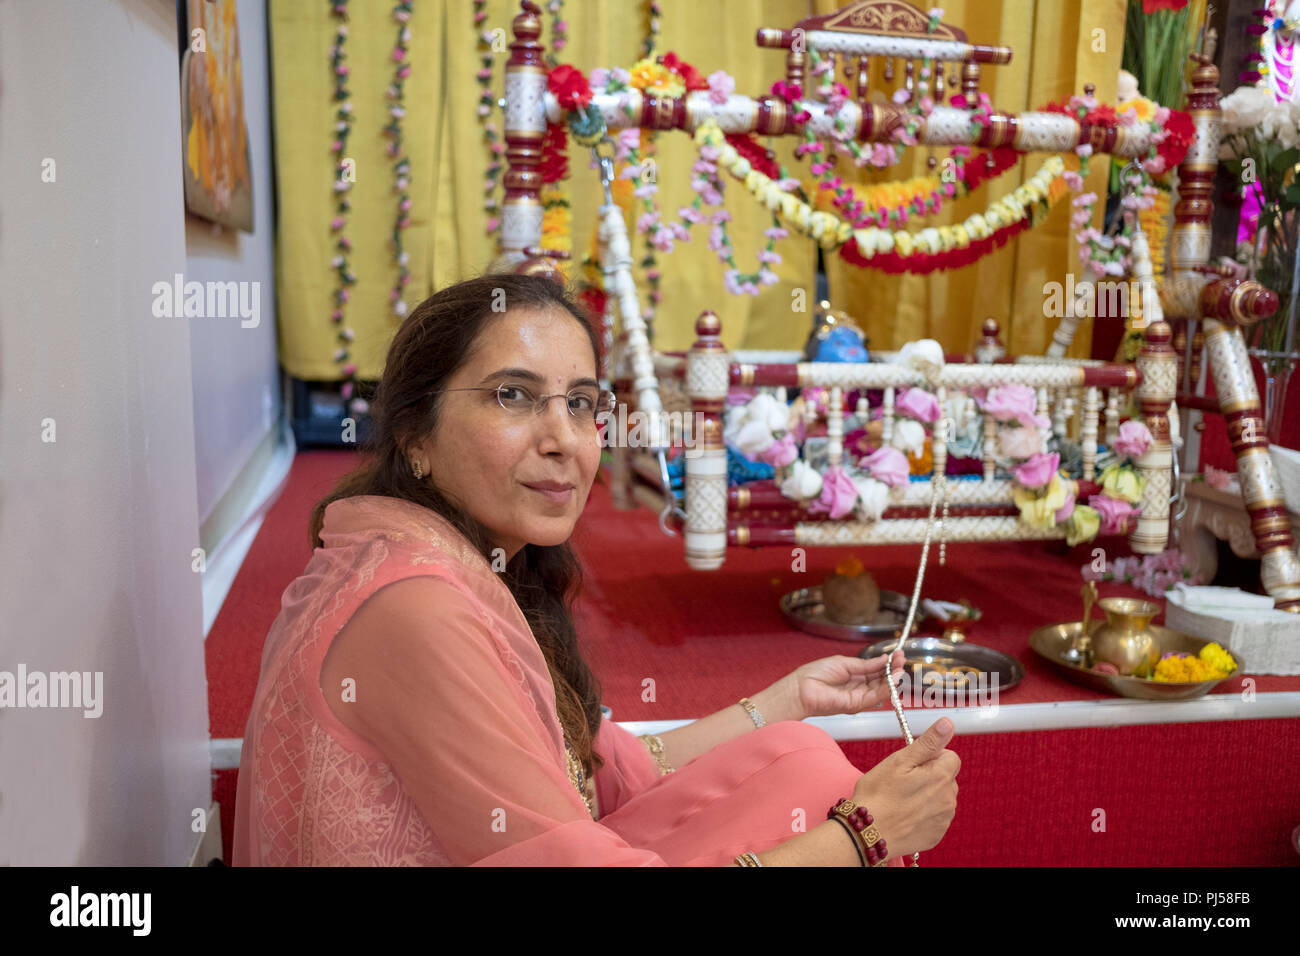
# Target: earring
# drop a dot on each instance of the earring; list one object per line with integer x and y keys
{"x": 415, "y": 466}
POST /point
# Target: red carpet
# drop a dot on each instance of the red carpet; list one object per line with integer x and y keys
{"x": 709, "y": 638}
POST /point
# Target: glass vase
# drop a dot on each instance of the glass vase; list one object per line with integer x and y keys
{"x": 1277, "y": 377}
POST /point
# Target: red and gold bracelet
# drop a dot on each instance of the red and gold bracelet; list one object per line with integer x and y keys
{"x": 871, "y": 846}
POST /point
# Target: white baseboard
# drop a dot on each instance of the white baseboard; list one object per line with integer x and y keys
{"x": 208, "y": 845}
{"x": 1005, "y": 718}
{"x": 225, "y": 560}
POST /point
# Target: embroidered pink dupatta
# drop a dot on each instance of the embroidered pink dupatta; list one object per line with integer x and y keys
{"x": 486, "y": 780}
{"x": 469, "y": 765}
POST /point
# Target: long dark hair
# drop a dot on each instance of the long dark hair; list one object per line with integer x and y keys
{"x": 431, "y": 345}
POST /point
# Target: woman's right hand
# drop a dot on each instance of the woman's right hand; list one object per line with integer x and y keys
{"x": 912, "y": 793}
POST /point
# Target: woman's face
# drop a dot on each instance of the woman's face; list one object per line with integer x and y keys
{"x": 524, "y": 476}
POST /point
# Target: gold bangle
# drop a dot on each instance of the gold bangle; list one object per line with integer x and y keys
{"x": 754, "y": 715}
{"x": 748, "y": 859}
{"x": 656, "y": 748}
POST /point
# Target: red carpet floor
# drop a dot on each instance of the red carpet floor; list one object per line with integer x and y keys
{"x": 709, "y": 638}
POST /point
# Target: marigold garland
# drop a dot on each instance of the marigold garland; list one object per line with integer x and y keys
{"x": 930, "y": 249}
{"x": 883, "y": 204}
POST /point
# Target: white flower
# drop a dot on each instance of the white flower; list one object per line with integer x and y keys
{"x": 1288, "y": 135}
{"x": 909, "y": 436}
{"x": 765, "y": 408}
{"x": 1245, "y": 108}
{"x": 873, "y": 497}
{"x": 732, "y": 419}
{"x": 399, "y": 307}
{"x": 1127, "y": 88}
{"x": 754, "y": 438}
{"x": 802, "y": 483}
{"x": 922, "y": 355}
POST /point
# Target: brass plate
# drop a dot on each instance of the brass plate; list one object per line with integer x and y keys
{"x": 1054, "y": 641}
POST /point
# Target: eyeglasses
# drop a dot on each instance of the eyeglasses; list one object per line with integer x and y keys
{"x": 584, "y": 404}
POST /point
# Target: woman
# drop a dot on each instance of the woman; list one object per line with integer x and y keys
{"x": 423, "y": 699}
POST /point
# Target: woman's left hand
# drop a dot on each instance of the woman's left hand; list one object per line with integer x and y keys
{"x": 842, "y": 685}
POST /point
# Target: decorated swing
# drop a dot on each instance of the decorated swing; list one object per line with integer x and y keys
{"x": 915, "y": 442}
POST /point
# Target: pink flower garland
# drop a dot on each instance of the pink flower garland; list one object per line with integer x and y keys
{"x": 342, "y": 185}
{"x": 492, "y": 141}
{"x": 402, "y": 166}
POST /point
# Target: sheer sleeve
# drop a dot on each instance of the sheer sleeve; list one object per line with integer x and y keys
{"x": 436, "y": 696}
{"x": 628, "y": 769}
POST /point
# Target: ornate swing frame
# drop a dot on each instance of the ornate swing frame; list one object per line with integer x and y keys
{"x": 1194, "y": 296}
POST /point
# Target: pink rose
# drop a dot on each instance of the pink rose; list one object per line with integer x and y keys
{"x": 1063, "y": 513}
{"x": 838, "y": 494}
{"x": 721, "y": 86}
{"x": 856, "y": 443}
{"x": 1038, "y": 470}
{"x": 1019, "y": 442}
{"x": 1222, "y": 480}
{"x": 1014, "y": 403}
{"x": 1115, "y": 515}
{"x": 781, "y": 452}
{"x": 919, "y": 404}
{"x": 819, "y": 396}
{"x": 1133, "y": 440}
{"x": 887, "y": 464}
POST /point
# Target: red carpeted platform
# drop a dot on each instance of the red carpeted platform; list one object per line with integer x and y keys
{"x": 708, "y": 638}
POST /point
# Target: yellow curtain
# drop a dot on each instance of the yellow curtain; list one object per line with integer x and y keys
{"x": 1057, "y": 50}
{"x": 1059, "y": 45}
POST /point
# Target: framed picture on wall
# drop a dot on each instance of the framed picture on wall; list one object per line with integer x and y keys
{"x": 217, "y": 167}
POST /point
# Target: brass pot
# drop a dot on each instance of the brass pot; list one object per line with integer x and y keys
{"x": 1126, "y": 639}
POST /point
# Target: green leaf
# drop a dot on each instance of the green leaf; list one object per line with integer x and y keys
{"x": 1284, "y": 161}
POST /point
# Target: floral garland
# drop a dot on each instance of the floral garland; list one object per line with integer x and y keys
{"x": 883, "y": 204}
{"x": 402, "y": 166}
{"x": 559, "y": 32}
{"x": 654, "y": 13}
{"x": 1046, "y": 497}
{"x": 1153, "y": 573}
{"x": 919, "y": 197}
{"x": 492, "y": 141}
{"x": 342, "y": 184}
{"x": 861, "y": 487}
{"x": 557, "y": 214}
{"x": 671, "y": 78}
{"x": 1172, "y": 132}
{"x": 899, "y": 251}
{"x": 768, "y": 430}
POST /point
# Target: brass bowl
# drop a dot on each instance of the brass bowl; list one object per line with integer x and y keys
{"x": 1054, "y": 642}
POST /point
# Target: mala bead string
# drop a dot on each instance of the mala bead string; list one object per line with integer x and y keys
{"x": 935, "y": 493}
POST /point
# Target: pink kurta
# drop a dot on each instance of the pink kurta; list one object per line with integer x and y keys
{"x": 469, "y": 766}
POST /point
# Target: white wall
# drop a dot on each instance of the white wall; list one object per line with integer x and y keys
{"x": 236, "y": 379}
{"x": 96, "y": 528}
